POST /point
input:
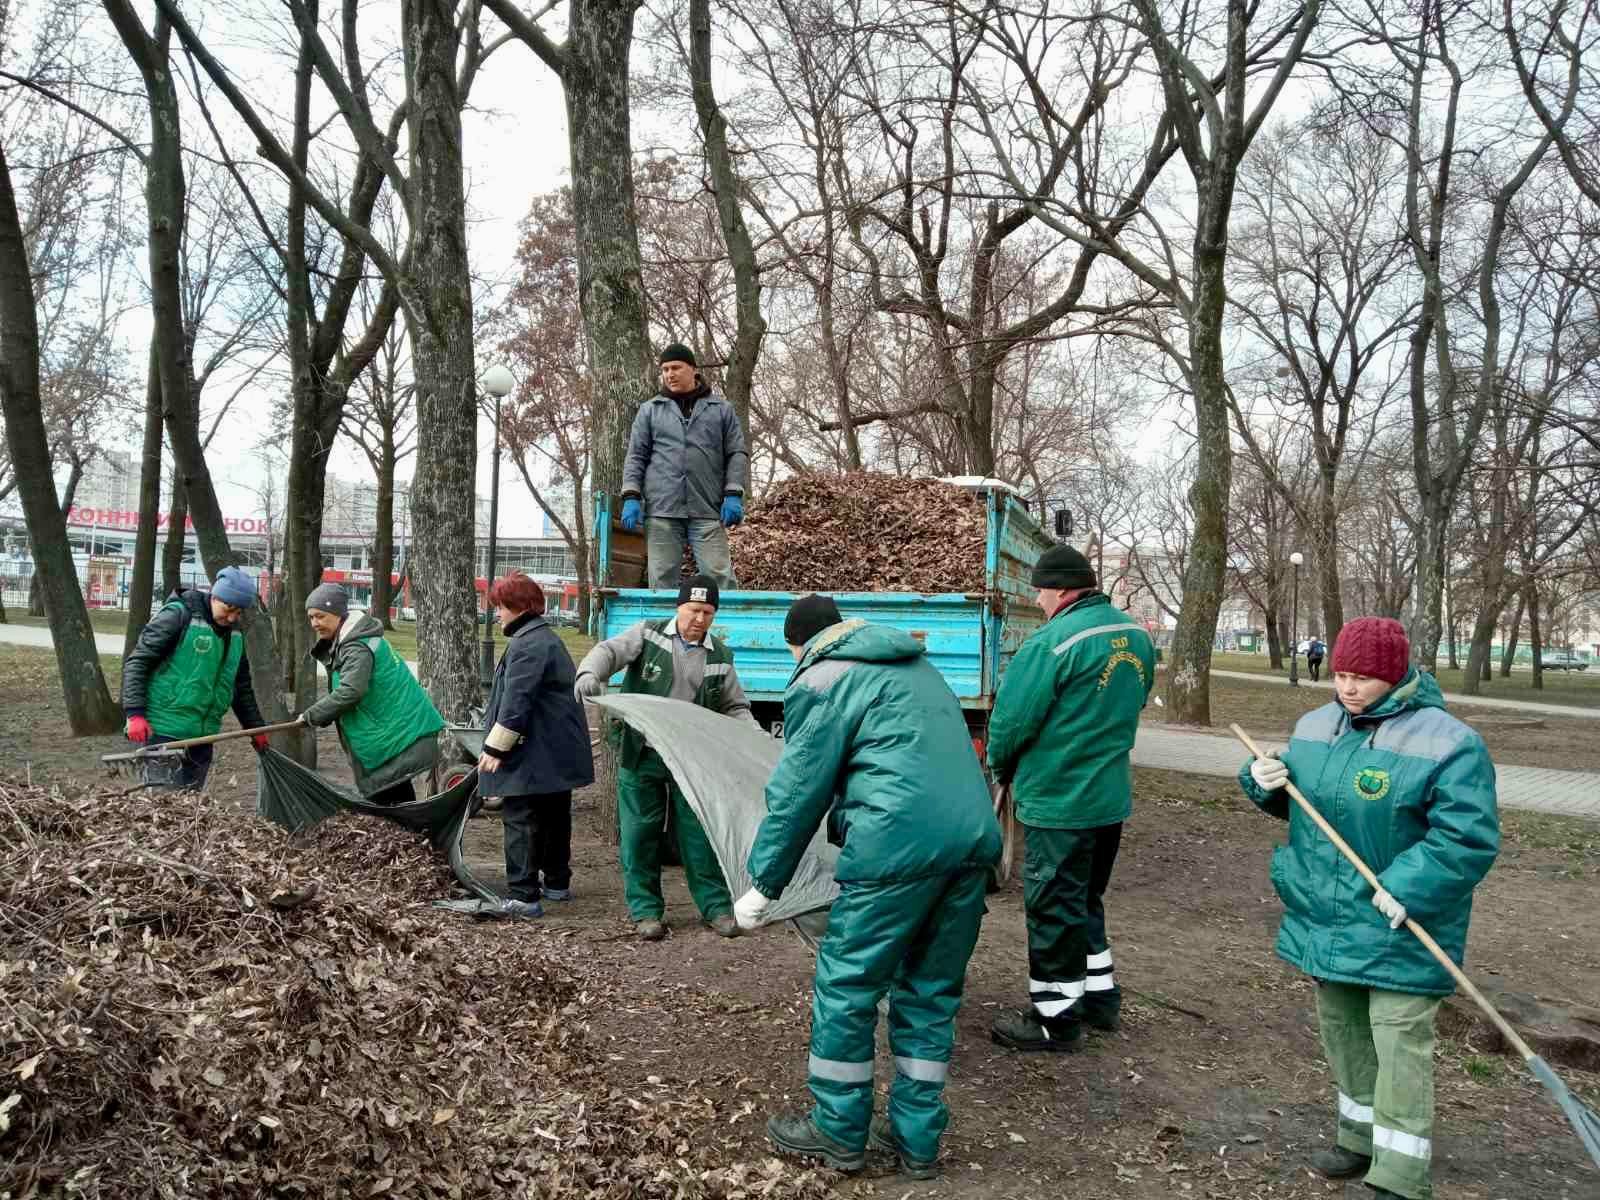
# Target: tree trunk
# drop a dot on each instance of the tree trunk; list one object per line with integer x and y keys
{"x": 1535, "y": 638}
{"x": 751, "y": 325}
{"x": 177, "y": 534}
{"x": 610, "y": 275}
{"x": 438, "y": 304}
{"x": 90, "y": 709}
{"x": 1509, "y": 655}
{"x": 383, "y": 536}
{"x": 1274, "y": 642}
{"x": 142, "y": 585}
{"x": 1329, "y": 582}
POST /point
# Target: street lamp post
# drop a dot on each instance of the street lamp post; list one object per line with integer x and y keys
{"x": 1294, "y": 622}
{"x": 497, "y": 381}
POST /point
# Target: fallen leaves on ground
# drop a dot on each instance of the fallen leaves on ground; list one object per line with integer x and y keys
{"x": 166, "y": 1029}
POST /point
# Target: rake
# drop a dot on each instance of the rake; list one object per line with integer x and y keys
{"x": 1584, "y": 1122}
{"x": 158, "y": 764}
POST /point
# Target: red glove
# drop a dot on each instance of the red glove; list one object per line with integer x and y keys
{"x": 137, "y": 729}
{"x": 260, "y": 742}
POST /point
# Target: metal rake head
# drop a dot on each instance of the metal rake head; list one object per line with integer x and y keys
{"x": 155, "y": 767}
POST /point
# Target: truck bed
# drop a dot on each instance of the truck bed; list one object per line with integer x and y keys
{"x": 969, "y": 638}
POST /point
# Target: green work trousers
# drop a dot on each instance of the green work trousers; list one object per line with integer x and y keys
{"x": 912, "y": 940}
{"x": 1064, "y": 877}
{"x": 1380, "y": 1046}
{"x": 643, "y": 794}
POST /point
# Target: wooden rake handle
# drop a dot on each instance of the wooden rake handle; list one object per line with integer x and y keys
{"x": 281, "y": 727}
{"x": 1422, "y": 935}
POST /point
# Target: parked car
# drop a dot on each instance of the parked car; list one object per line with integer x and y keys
{"x": 1559, "y": 661}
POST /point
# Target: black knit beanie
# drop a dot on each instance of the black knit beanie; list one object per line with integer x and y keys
{"x": 698, "y": 589}
{"x": 809, "y": 616}
{"x": 677, "y": 352}
{"x": 1064, "y": 568}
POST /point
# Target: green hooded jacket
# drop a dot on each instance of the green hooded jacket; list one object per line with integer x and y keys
{"x": 875, "y": 743}
{"x": 1412, "y": 790}
{"x": 1066, "y": 714}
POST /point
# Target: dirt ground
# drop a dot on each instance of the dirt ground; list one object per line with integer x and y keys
{"x": 1216, "y": 1086}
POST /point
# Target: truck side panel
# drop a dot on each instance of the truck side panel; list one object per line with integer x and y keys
{"x": 950, "y": 627}
{"x": 1013, "y": 613}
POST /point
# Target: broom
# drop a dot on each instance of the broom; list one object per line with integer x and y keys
{"x": 1583, "y": 1120}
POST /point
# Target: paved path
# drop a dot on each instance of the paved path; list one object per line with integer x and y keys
{"x": 1530, "y": 706}
{"x": 1571, "y": 793}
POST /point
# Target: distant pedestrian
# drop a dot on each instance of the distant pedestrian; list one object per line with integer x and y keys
{"x": 387, "y": 723}
{"x": 877, "y": 749}
{"x": 684, "y": 478}
{"x": 1413, "y": 791}
{"x": 680, "y": 659}
{"x": 1060, "y": 735}
{"x": 187, "y": 669}
{"x": 535, "y": 749}
{"x": 1314, "y": 655}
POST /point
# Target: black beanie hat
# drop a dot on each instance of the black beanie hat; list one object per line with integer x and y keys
{"x": 698, "y": 589}
{"x": 809, "y": 616}
{"x": 1064, "y": 568}
{"x": 677, "y": 352}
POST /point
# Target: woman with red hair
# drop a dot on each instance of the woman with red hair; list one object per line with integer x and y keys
{"x": 535, "y": 749}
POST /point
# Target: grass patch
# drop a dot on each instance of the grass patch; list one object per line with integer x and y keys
{"x": 1483, "y": 1069}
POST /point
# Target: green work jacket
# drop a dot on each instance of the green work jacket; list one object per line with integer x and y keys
{"x": 875, "y": 743}
{"x": 194, "y": 685}
{"x": 1412, "y": 790}
{"x": 1066, "y": 714}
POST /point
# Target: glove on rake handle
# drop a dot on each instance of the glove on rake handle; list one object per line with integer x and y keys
{"x": 1423, "y": 936}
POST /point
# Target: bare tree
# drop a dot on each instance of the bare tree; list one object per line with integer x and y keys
{"x": 90, "y": 708}
{"x": 592, "y": 64}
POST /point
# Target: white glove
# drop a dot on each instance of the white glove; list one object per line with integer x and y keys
{"x": 1269, "y": 772}
{"x": 1389, "y": 907}
{"x": 750, "y": 909}
{"x": 588, "y": 687}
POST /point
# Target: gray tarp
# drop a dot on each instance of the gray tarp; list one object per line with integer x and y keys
{"x": 722, "y": 766}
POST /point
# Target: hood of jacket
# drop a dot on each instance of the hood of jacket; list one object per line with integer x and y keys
{"x": 862, "y": 642}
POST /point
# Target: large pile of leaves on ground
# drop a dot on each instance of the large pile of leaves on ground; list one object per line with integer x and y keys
{"x": 195, "y": 1003}
{"x": 861, "y": 531}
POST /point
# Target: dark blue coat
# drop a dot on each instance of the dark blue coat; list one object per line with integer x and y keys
{"x": 532, "y": 695}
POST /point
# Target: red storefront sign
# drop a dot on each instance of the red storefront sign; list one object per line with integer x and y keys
{"x": 121, "y": 518}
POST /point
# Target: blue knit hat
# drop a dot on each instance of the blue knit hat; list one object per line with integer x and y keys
{"x": 233, "y": 587}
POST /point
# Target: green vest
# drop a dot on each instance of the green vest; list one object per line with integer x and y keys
{"x": 395, "y": 711}
{"x": 651, "y": 675}
{"x": 193, "y": 687}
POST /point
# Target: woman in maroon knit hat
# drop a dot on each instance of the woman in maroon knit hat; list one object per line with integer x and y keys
{"x": 1412, "y": 790}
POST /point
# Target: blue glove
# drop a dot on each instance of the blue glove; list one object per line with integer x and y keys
{"x": 632, "y": 515}
{"x": 732, "y": 511}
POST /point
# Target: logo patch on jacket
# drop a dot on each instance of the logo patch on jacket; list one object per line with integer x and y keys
{"x": 204, "y": 643}
{"x": 652, "y": 672}
{"x": 1120, "y": 656}
{"x": 1372, "y": 783}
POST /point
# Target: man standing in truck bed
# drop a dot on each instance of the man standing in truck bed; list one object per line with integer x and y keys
{"x": 1062, "y": 728}
{"x": 684, "y": 476}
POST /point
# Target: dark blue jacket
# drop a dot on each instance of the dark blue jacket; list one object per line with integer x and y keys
{"x": 532, "y": 695}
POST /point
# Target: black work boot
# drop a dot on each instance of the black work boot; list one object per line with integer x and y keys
{"x": 1339, "y": 1163}
{"x": 1104, "y": 1016}
{"x": 881, "y": 1137}
{"x": 1024, "y": 1031}
{"x": 797, "y": 1133}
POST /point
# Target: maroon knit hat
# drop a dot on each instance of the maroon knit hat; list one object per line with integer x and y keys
{"x": 1374, "y": 646}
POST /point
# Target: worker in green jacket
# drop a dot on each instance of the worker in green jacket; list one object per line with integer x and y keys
{"x": 680, "y": 659}
{"x": 875, "y": 744}
{"x": 187, "y": 669}
{"x": 1060, "y": 734}
{"x": 1412, "y": 790}
{"x": 387, "y": 724}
